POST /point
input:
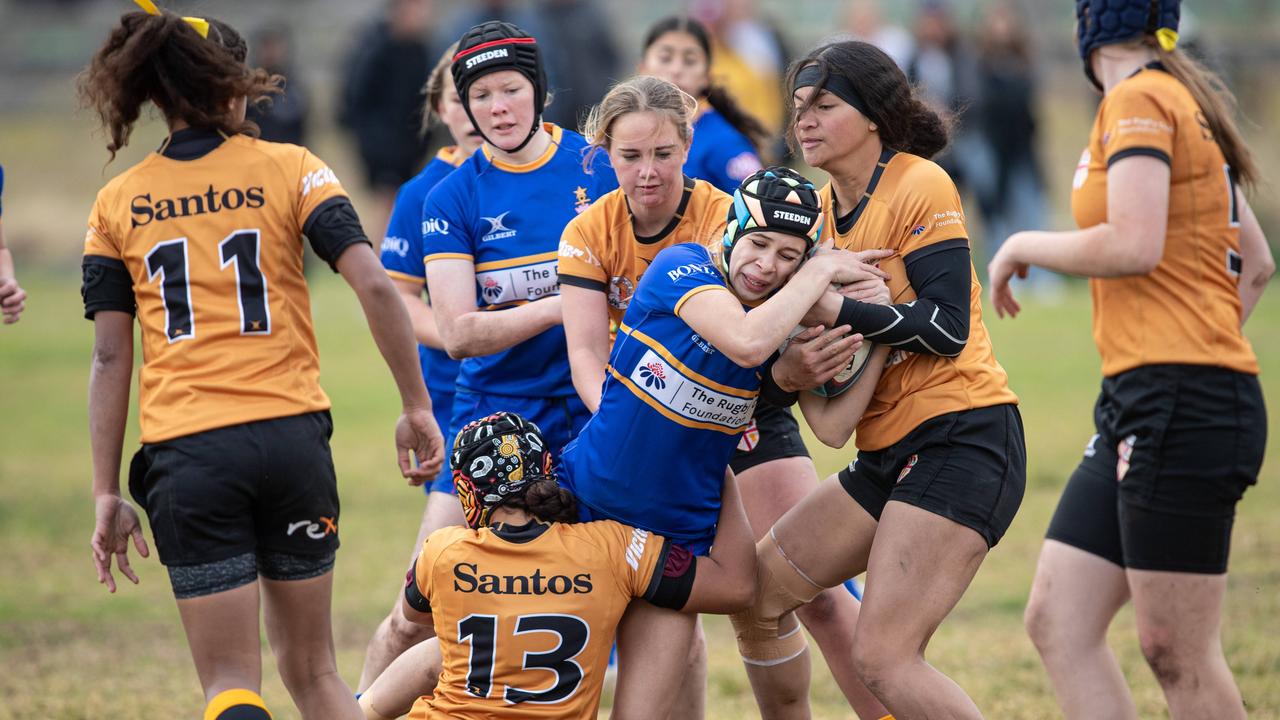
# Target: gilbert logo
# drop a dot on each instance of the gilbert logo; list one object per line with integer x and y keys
{"x": 314, "y": 530}
{"x": 793, "y": 217}
{"x": 485, "y": 56}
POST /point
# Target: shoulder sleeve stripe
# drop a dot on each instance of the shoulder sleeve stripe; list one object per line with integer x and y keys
{"x": 447, "y": 256}
{"x": 582, "y": 282}
{"x": 1156, "y": 153}
{"x": 700, "y": 289}
{"x": 397, "y": 275}
{"x": 933, "y": 248}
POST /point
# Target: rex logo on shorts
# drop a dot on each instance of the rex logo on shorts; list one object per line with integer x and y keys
{"x": 314, "y": 530}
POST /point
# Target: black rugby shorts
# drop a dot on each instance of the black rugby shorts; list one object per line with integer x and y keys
{"x": 968, "y": 466}
{"x": 1175, "y": 448}
{"x": 259, "y": 486}
{"x": 772, "y": 434}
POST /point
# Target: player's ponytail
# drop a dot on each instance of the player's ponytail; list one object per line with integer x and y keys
{"x": 162, "y": 59}
{"x": 546, "y": 500}
{"x": 865, "y": 77}
{"x": 1218, "y": 105}
{"x": 717, "y": 97}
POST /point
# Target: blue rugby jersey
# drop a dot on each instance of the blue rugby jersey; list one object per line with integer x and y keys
{"x": 402, "y": 256}
{"x": 508, "y": 219}
{"x": 720, "y": 154}
{"x": 672, "y": 408}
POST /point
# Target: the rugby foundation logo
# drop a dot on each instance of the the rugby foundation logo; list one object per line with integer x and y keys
{"x": 491, "y": 289}
{"x": 654, "y": 374}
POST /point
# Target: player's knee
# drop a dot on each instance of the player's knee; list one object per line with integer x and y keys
{"x": 822, "y": 614}
{"x": 236, "y": 704}
{"x": 1039, "y": 620}
{"x": 780, "y": 588}
{"x": 872, "y": 663}
{"x": 1161, "y": 653}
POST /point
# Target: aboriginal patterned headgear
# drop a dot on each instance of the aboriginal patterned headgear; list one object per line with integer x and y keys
{"x": 1104, "y": 22}
{"x": 492, "y": 46}
{"x": 495, "y": 459}
{"x": 775, "y": 199}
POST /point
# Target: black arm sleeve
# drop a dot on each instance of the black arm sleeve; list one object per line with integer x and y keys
{"x": 333, "y": 227}
{"x": 106, "y": 285}
{"x": 770, "y": 392}
{"x": 672, "y": 578}
{"x": 937, "y": 321}
{"x": 412, "y": 594}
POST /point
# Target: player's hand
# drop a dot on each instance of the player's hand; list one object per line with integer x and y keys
{"x": 999, "y": 273}
{"x": 418, "y": 433}
{"x": 116, "y": 524}
{"x": 871, "y": 290}
{"x": 844, "y": 267}
{"x": 815, "y": 356}
{"x": 13, "y": 299}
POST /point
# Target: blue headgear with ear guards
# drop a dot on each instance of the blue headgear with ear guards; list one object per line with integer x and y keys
{"x": 1104, "y": 22}
{"x": 776, "y": 199}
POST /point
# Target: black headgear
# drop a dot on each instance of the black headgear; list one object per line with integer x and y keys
{"x": 1104, "y": 22}
{"x": 777, "y": 199}
{"x": 492, "y": 46}
{"x": 495, "y": 459}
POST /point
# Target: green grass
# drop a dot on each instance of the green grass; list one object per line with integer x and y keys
{"x": 70, "y": 650}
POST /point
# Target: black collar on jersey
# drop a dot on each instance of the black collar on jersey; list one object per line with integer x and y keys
{"x": 520, "y": 533}
{"x": 820, "y": 79}
{"x": 671, "y": 226}
{"x": 191, "y": 143}
{"x": 845, "y": 223}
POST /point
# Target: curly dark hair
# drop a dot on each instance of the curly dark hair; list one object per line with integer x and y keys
{"x": 547, "y": 501}
{"x": 904, "y": 121}
{"x": 162, "y": 59}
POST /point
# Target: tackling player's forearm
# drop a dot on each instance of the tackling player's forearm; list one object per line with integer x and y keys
{"x": 833, "y": 420}
{"x": 587, "y": 367}
{"x": 110, "y": 374}
{"x": 1257, "y": 265}
{"x": 420, "y": 314}
{"x": 477, "y": 333}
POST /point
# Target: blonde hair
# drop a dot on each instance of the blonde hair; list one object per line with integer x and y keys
{"x": 440, "y": 78}
{"x": 1218, "y": 105}
{"x": 642, "y": 93}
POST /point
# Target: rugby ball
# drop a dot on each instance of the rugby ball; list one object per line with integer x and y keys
{"x": 845, "y": 379}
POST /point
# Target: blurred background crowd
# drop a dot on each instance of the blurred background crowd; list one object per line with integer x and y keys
{"x": 1005, "y": 71}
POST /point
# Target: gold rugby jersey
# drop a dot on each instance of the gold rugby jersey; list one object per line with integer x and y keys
{"x": 214, "y": 248}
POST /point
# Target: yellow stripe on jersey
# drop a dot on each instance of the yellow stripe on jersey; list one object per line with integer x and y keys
{"x": 701, "y": 289}
{"x": 516, "y": 261}
{"x": 446, "y": 256}
{"x": 664, "y": 410}
{"x": 396, "y": 275}
{"x": 657, "y": 347}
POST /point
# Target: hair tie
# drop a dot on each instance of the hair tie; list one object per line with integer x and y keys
{"x": 1168, "y": 39}
{"x": 200, "y": 25}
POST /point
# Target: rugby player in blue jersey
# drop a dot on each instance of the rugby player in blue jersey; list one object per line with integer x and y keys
{"x": 682, "y": 381}
{"x": 402, "y": 257}
{"x": 491, "y": 232}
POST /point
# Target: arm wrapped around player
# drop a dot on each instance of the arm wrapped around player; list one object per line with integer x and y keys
{"x": 937, "y": 321}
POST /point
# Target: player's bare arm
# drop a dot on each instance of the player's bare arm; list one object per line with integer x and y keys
{"x": 470, "y": 332}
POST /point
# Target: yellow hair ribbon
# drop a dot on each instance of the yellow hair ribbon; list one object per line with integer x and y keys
{"x": 200, "y": 25}
{"x": 1168, "y": 39}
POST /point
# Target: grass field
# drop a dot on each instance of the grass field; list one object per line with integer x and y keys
{"x": 70, "y": 650}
